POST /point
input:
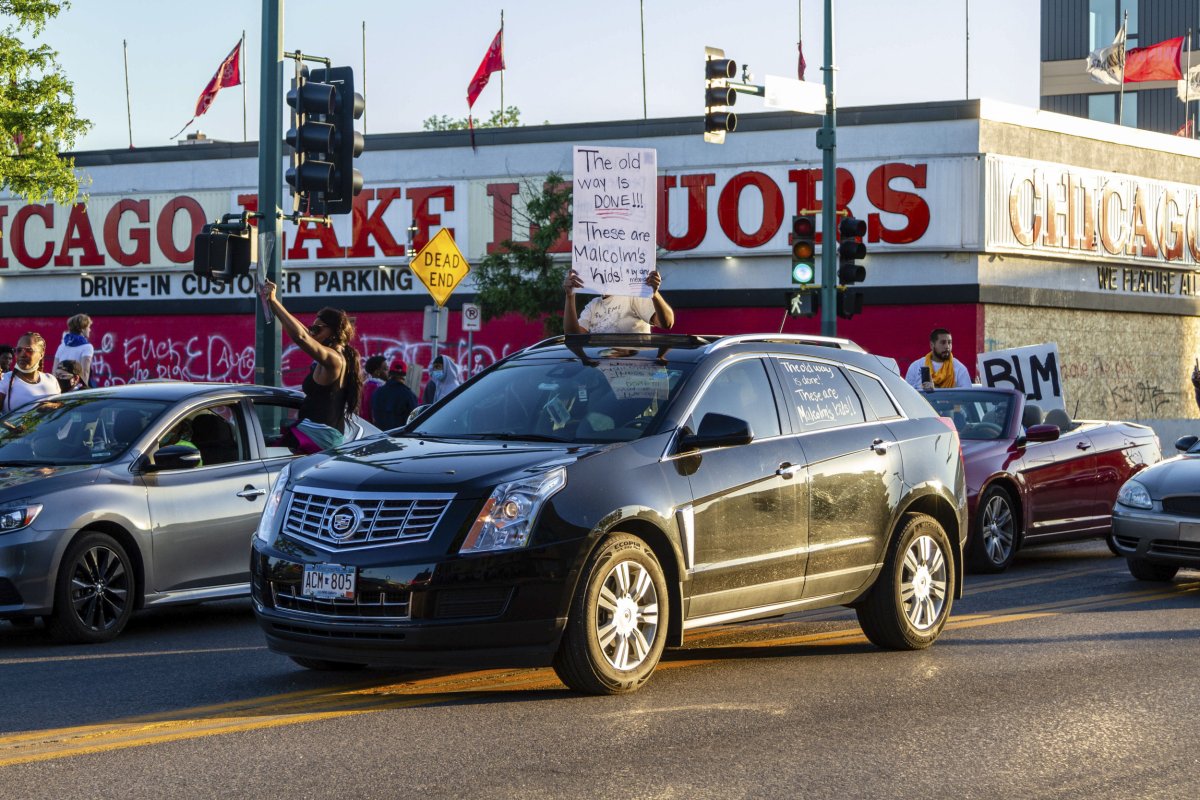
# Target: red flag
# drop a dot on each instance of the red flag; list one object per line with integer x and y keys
{"x": 493, "y": 61}
{"x": 1156, "y": 62}
{"x": 802, "y": 65}
{"x": 228, "y": 74}
{"x": 1185, "y": 130}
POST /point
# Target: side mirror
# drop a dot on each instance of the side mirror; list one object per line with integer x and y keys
{"x": 1185, "y": 443}
{"x": 717, "y": 430}
{"x": 416, "y": 412}
{"x": 1042, "y": 433}
{"x": 175, "y": 456}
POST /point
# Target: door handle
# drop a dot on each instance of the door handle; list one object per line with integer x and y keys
{"x": 1082, "y": 446}
{"x": 787, "y": 470}
{"x": 250, "y": 493}
{"x": 881, "y": 447}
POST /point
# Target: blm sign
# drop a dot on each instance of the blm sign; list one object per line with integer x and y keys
{"x": 1031, "y": 370}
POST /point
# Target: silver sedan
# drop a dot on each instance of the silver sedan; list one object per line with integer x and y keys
{"x": 135, "y": 496}
{"x": 1156, "y": 519}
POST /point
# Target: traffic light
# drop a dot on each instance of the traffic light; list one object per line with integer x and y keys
{"x": 718, "y": 95}
{"x": 323, "y": 140}
{"x": 348, "y": 143}
{"x": 850, "y": 250}
{"x": 804, "y": 304}
{"x": 804, "y": 249}
{"x": 222, "y": 255}
{"x": 849, "y": 302}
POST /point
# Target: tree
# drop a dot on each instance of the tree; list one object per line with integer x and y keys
{"x": 38, "y": 120}
{"x": 508, "y": 118}
{"x": 523, "y": 277}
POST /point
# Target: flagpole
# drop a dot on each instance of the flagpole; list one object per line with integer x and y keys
{"x": 245, "y": 80}
{"x": 1187, "y": 80}
{"x": 503, "y": 70}
{"x": 128, "y": 110}
{"x": 967, "y": 31}
{"x": 364, "y": 71}
{"x": 642, "y": 19}
{"x": 1121, "y": 96}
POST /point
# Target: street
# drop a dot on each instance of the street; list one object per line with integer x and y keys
{"x": 1063, "y": 677}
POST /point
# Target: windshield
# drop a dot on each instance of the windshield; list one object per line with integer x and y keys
{"x": 74, "y": 429}
{"x": 602, "y": 400}
{"x": 976, "y": 415}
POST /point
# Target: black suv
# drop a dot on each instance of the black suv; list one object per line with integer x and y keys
{"x": 588, "y": 500}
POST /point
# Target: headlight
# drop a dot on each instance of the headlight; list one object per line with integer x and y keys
{"x": 15, "y": 518}
{"x": 509, "y": 514}
{"x": 266, "y": 524}
{"x": 1134, "y": 495}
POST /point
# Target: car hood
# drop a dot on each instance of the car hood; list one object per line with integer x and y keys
{"x": 1175, "y": 476}
{"x": 467, "y": 468}
{"x": 16, "y": 480}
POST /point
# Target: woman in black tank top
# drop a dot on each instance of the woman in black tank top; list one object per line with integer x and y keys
{"x": 333, "y": 385}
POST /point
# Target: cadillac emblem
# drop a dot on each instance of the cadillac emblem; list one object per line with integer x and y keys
{"x": 344, "y": 522}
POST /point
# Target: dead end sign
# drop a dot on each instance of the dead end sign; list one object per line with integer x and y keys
{"x": 441, "y": 266}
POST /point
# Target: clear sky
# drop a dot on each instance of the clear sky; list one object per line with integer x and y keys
{"x": 567, "y": 61}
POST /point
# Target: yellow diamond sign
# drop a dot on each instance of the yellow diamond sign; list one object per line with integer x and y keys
{"x": 441, "y": 266}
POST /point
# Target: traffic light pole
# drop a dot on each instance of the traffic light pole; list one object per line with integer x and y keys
{"x": 267, "y": 338}
{"x": 827, "y": 141}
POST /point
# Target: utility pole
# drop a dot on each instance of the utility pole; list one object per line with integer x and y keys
{"x": 267, "y": 338}
{"x": 827, "y": 141}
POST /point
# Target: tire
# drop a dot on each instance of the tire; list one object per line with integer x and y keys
{"x": 910, "y": 602}
{"x": 995, "y": 533}
{"x": 323, "y": 665}
{"x": 617, "y": 624}
{"x": 1149, "y": 571}
{"x": 95, "y": 593}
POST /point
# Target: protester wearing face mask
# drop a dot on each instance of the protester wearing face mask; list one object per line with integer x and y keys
{"x": 70, "y": 376}
{"x": 26, "y": 382}
{"x": 443, "y": 377}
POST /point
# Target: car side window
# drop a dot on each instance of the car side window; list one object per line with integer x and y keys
{"x": 274, "y": 418}
{"x": 822, "y": 395}
{"x": 218, "y": 435}
{"x": 741, "y": 390}
{"x": 876, "y": 396}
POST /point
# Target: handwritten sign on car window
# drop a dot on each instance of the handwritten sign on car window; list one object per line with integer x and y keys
{"x": 614, "y": 203}
{"x": 634, "y": 379}
{"x": 822, "y": 395}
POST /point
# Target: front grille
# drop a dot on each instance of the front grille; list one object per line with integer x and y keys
{"x": 1183, "y": 506}
{"x": 387, "y": 604}
{"x": 343, "y": 521}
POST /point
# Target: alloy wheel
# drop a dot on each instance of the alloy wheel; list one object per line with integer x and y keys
{"x": 627, "y": 615}
{"x": 99, "y": 588}
{"x": 997, "y": 529}
{"x": 923, "y": 583}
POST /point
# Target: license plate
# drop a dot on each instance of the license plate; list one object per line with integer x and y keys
{"x": 328, "y": 582}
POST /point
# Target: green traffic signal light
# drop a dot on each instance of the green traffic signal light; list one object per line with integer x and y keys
{"x": 804, "y": 249}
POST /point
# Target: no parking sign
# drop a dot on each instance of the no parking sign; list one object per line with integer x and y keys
{"x": 472, "y": 317}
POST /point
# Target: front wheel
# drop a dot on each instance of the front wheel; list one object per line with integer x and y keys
{"x": 95, "y": 593}
{"x": 1149, "y": 571}
{"x": 993, "y": 543}
{"x": 616, "y": 630}
{"x": 910, "y": 603}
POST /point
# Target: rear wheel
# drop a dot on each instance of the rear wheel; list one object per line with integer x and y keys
{"x": 1148, "y": 571}
{"x": 95, "y": 593}
{"x": 324, "y": 665}
{"x": 993, "y": 543}
{"x": 910, "y": 602}
{"x": 616, "y": 630}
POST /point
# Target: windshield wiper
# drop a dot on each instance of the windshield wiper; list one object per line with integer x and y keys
{"x": 509, "y": 436}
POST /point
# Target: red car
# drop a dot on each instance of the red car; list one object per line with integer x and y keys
{"x": 1034, "y": 477}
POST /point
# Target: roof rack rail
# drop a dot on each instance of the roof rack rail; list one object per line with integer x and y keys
{"x": 623, "y": 339}
{"x": 784, "y": 338}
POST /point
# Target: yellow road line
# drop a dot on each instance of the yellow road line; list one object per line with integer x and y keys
{"x": 314, "y": 705}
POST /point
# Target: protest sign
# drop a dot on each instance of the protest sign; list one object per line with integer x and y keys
{"x": 614, "y": 203}
{"x": 1031, "y": 370}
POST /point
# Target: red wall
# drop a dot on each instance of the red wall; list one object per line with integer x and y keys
{"x": 221, "y": 347}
